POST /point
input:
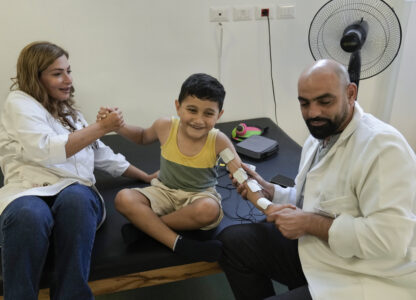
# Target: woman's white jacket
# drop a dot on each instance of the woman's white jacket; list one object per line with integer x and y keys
{"x": 32, "y": 152}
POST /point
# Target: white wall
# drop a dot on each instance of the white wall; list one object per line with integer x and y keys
{"x": 135, "y": 55}
{"x": 403, "y": 113}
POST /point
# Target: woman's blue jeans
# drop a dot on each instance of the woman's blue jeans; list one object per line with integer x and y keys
{"x": 64, "y": 224}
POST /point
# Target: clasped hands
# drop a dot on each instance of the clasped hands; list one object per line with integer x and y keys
{"x": 110, "y": 118}
{"x": 289, "y": 219}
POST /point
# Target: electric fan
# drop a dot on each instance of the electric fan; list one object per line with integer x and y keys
{"x": 363, "y": 35}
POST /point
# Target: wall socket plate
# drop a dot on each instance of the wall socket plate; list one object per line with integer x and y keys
{"x": 219, "y": 14}
{"x": 285, "y": 12}
{"x": 257, "y": 11}
{"x": 242, "y": 13}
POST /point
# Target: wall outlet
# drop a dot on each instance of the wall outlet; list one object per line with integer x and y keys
{"x": 242, "y": 13}
{"x": 219, "y": 14}
{"x": 261, "y": 12}
{"x": 285, "y": 12}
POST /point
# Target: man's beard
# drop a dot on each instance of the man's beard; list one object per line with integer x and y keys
{"x": 323, "y": 131}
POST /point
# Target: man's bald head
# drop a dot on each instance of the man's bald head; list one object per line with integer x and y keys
{"x": 327, "y": 67}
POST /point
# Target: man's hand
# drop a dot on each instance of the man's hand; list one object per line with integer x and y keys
{"x": 267, "y": 187}
{"x": 290, "y": 221}
{"x": 294, "y": 222}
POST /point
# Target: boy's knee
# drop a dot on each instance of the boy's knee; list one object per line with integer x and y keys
{"x": 126, "y": 198}
{"x": 122, "y": 198}
{"x": 207, "y": 211}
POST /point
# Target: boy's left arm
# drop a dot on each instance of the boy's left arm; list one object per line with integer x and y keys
{"x": 222, "y": 142}
{"x": 253, "y": 190}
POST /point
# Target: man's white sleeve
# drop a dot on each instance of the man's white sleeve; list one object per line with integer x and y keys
{"x": 284, "y": 195}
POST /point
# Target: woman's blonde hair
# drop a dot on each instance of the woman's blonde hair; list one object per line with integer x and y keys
{"x": 33, "y": 60}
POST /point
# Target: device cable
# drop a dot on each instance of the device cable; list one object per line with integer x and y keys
{"x": 271, "y": 69}
{"x": 251, "y": 216}
{"x": 219, "y": 62}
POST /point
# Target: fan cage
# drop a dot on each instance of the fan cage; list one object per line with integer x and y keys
{"x": 383, "y": 39}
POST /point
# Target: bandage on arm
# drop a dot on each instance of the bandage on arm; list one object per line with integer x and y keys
{"x": 254, "y": 190}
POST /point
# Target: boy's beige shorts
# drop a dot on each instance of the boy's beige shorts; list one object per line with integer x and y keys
{"x": 164, "y": 200}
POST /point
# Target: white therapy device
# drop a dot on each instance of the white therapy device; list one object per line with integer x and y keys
{"x": 241, "y": 176}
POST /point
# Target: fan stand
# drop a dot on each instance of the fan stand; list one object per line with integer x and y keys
{"x": 354, "y": 67}
{"x": 352, "y": 41}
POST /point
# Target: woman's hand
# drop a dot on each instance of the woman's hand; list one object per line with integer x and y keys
{"x": 102, "y": 113}
{"x": 111, "y": 119}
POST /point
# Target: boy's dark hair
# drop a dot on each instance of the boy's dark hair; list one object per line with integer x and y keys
{"x": 204, "y": 87}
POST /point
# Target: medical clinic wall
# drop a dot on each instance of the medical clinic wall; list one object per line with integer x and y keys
{"x": 135, "y": 55}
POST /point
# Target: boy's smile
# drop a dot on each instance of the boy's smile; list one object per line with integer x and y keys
{"x": 197, "y": 117}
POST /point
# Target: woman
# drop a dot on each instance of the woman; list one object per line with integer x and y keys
{"x": 47, "y": 154}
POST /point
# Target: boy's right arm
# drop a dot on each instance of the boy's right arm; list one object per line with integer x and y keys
{"x": 139, "y": 135}
{"x": 159, "y": 131}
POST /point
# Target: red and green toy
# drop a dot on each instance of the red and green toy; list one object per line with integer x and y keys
{"x": 243, "y": 131}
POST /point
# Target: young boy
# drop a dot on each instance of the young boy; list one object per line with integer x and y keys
{"x": 183, "y": 197}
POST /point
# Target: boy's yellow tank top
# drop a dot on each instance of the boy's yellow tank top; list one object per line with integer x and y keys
{"x": 189, "y": 173}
